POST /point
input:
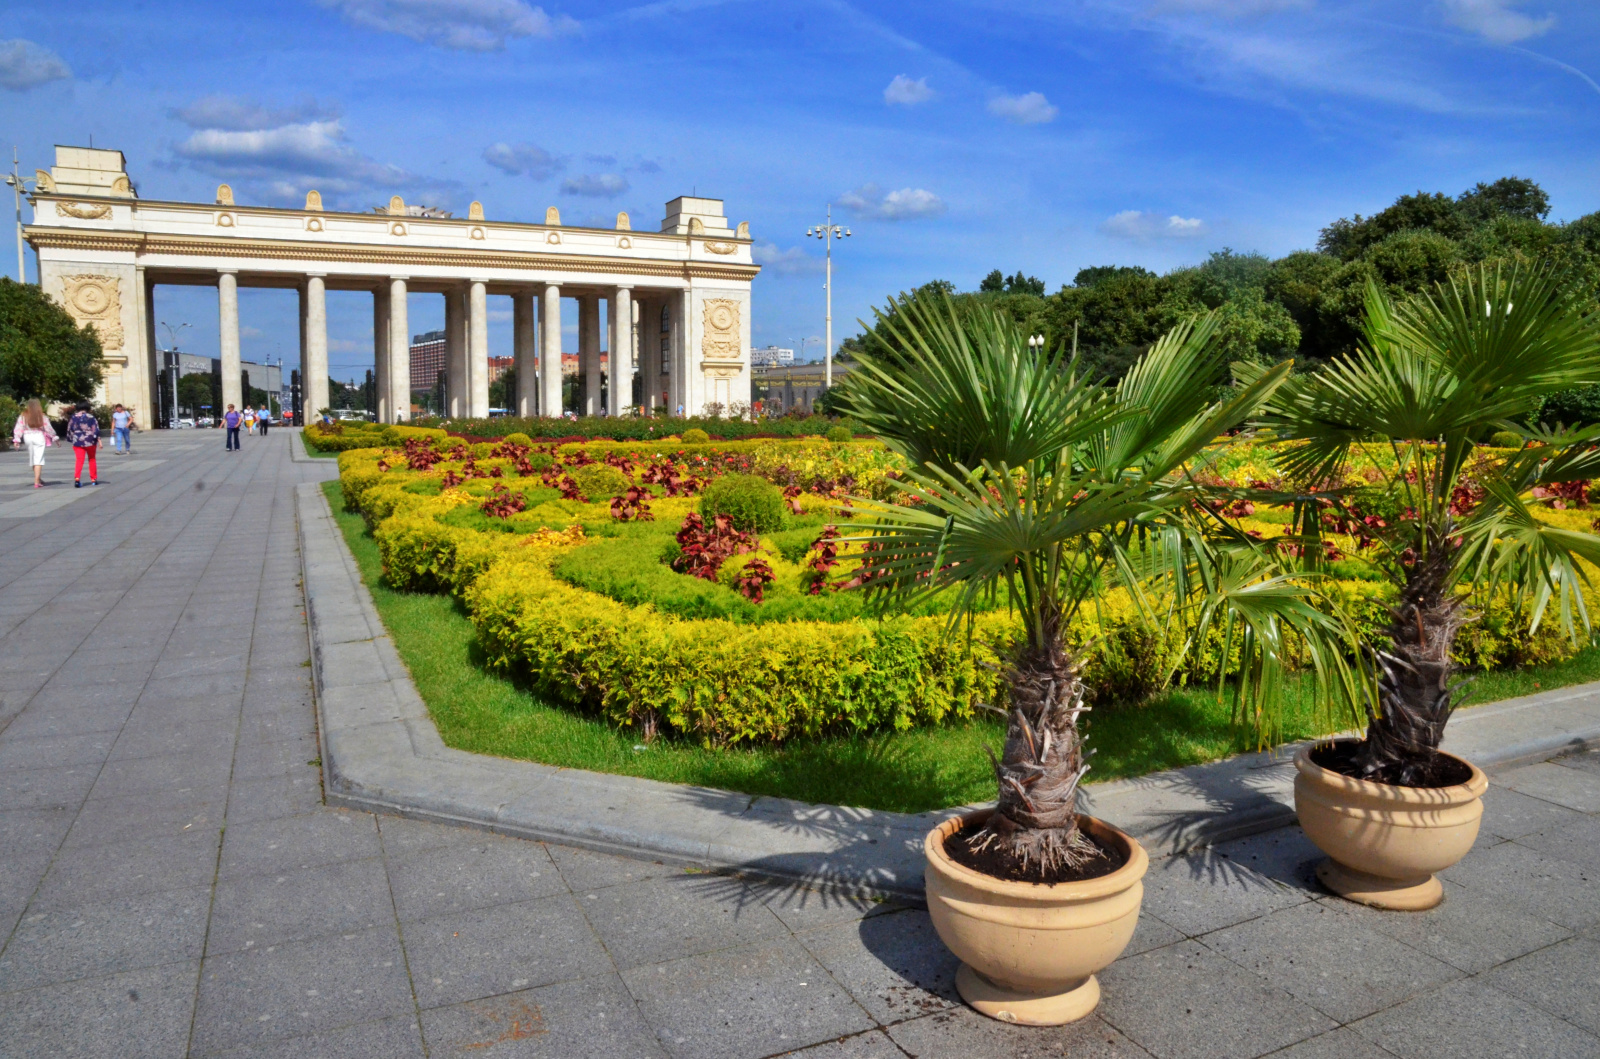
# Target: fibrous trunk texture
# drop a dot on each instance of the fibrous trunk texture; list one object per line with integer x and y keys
{"x": 1036, "y": 820}
{"x": 1414, "y": 674}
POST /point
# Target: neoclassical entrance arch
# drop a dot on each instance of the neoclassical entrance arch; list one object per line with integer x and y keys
{"x": 678, "y": 299}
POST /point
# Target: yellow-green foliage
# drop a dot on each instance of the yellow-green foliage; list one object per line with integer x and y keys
{"x": 696, "y": 436}
{"x": 600, "y": 481}
{"x": 344, "y": 437}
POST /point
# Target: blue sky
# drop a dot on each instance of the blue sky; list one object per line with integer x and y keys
{"x": 952, "y": 138}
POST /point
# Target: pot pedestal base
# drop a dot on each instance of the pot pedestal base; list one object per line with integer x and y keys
{"x": 1027, "y": 1009}
{"x": 1405, "y": 895}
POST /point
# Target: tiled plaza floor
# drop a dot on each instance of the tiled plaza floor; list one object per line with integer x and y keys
{"x": 170, "y": 884}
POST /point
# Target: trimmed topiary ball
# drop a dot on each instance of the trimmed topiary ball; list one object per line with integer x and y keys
{"x": 519, "y": 438}
{"x": 838, "y": 434}
{"x": 695, "y": 436}
{"x": 1506, "y": 439}
{"x": 754, "y": 504}
{"x": 600, "y": 481}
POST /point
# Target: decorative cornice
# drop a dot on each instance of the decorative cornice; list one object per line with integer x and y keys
{"x": 48, "y": 237}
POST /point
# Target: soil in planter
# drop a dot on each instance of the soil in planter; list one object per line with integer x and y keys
{"x": 1002, "y": 864}
{"x": 1440, "y": 770}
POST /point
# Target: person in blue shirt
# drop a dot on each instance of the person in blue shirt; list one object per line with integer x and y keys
{"x": 121, "y": 431}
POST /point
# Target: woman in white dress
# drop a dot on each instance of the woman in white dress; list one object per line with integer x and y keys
{"x": 33, "y": 429}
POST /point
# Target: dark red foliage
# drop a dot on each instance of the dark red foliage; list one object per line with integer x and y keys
{"x": 755, "y": 576}
{"x": 632, "y": 506}
{"x": 420, "y": 454}
{"x": 450, "y": 480}
{"x": 792, "y": 495}
{"x": 509, "y": 450}
{"x": 569, "y": 489}
{"x": 1562, "y": 495}
{"x": 503, "y": 503}
{"x": 703, "y": 550}
{"x": 1465, "y": 497}
{"x": 383, "y": 466}
{"x": 827, "y": 557}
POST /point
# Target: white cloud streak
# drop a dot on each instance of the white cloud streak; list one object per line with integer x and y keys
{"x": 1031, "y": 108}
{"x": 596, "y": 185}
{"x": 791, "y": 262}
{"x": 460, "y": 25}
{"x": 233, "y": 113}
{"x": 524, "y": 159}
{"x": 1496, "y": 21}
{"x": 869, "y": 200}
{"x": 906, "y": 92}
{"x": 1146, "y": 226}
{"x": 25, "y": 65}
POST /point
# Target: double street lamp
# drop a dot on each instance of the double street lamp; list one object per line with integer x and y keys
{"x": 19, "y": 185}
{"x": 828, "y": 233}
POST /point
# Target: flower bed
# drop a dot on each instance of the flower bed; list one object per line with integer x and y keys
{"x": 590, "y": 571}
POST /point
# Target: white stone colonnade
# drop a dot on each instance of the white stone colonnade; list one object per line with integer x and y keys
{"x": 677, "y": 300}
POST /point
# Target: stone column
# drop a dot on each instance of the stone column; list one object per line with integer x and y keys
{"x": 228, "y": 311}
{"x": 589, "y": 352}
{"x": 620, "y": 316}
{"x": 478, "y": 346}
{"x": 161, "y": 378}
{"x": 524, "y": 357}
{"x": 314, "y": 355}
{"x": 683, "y": 371}
{"x": 550, "y": 353}
{"x": 455, "y": 357}
{"x": 399, "y": 392}
{"x": 380, "y": 341}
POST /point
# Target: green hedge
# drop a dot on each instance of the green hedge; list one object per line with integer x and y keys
{"x": 637, "y": 428}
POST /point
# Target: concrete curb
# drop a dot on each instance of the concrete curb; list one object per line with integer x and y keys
{"x": 382, "y": 753}
{"x": 298, "y": 453}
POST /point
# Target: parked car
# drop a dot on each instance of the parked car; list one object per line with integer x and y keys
{"x": 183, "y": 424}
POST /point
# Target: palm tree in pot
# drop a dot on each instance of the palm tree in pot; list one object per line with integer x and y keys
{"x": 1036, "y": 486}
{"x": 1436, "y": 376}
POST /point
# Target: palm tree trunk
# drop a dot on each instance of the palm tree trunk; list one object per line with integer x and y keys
{"x": 1036, "y": 820}
{"x": 1414, "y": 673}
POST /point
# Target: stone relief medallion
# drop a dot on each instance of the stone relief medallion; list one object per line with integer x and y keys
{"x": 314, "y": 224}
{"x": 721, "y": 338}
{"x": 624, "y": 243}
{"x": 475, "y": 233}
{"x": 397, "y": 228}
{"x": 722, "y": 248}
{"x": 83, "y": 210}
{"x": 224, "y": 220}
{"x": 554, "y": 238}
{"x": 95, "y": 300}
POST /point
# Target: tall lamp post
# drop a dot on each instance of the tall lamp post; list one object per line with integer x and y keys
{"x": 828, "y": 233}
{"x": 19, "y": 186}
{"x": 172, "y": 338}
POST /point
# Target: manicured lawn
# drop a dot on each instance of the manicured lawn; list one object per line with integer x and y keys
{"x": 313, "y": 452}
{"x": 913, "y": 771}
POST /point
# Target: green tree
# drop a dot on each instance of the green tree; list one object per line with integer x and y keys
{"x": 503, "y": 391}
{"x": 43, "y": 351}
{"x": 194, "y": 392}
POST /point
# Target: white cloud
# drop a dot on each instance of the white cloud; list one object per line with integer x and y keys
{"x": 1028, "y": 109}
{"x": 905, "y": 91}
{"x": 596, "y": 185}
{"x": 1142, "y": 225}
{"x": 1496, "y": 20}
{"x": 791, "y": 262}
{"x": 25, "y": 65}
{"x": 869, "y": 200}
{"x": 231, "y": 112}
{"x": 524, "y": 159}
{"x": 463, "y": 25}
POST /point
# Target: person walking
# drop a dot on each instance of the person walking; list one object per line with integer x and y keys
{"x": 83, "y": 430}
{"x": 34, "y": 430}
{"x": 264, "y": 418}
{"x": 231, "y": 419}
{"x": 121, "y": 431}
{"x": 249, "y": 419}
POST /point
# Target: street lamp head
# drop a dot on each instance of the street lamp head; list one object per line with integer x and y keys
{"x": 847, "y": 232}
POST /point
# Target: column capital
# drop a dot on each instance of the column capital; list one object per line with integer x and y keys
{"x": 622, "y": 286}
{"x": 228, "y": 272}
{"x": 315, "y": 275}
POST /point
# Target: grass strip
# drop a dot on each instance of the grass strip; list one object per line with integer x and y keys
{"x": 930, "y": 768}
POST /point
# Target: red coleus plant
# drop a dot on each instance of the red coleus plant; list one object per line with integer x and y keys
{"x": 1562, "y": 495}
{"x": 703, "y": 549}
{"x": 632, "y": 506}
{"x": 420, "y": 454}
{"x": 827, "y": 557}
{"x": 753, "y": 579}
{"x": 791, "y": 495}
{"x": 450, "y": 480}
{"x": 503, "y": 503}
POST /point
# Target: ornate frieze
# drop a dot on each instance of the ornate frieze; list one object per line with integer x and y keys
{"x": 720, "y": 345}
{"x": 721, "y": 248}
{"x": 95, "y": 300}
{"x": 84, "y": 211}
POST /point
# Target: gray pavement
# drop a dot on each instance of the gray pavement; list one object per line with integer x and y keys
{"x": 171, "y": 883}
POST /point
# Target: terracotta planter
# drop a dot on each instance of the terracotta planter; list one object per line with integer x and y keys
{"x": 1029, "y": 952}
{"x": 1383, "y": 842}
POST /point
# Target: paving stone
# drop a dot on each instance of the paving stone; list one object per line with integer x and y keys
{"x": 287, "y": 757}
{"x": 300, "y": 988}
{"x": 659, "y": 919}
{"x": 259, "y": 910}
{"x": 20, "y": 875}
{"x": 402, "y": 835}
{"x": 281, "y": 796}
{"x": 894, "y": 965}
{"x": 748, "y": 1001}
{"x": 1575, "y": 788}
{"x": 590, "y": 1019}
{"x": 468, "y": 955}
{"x": 1472, "y": 1020}
{"x": 41, "y": 720}
{"x": 141, "y": 865}
{"x": 1204, "y": 891}
{"x": 1472, "y": 930}
{"x": 142, "y": 1014}
{"x": 587, "y": 870}
{"x": 165, "y": 738}
{"x": 1285, "y": 855}
{"x": 1551, "y": 888}
{"x": 1512, "y": 814}
{"x": 104, "y": 937}
{"x": 1323, "y": 957}
{"x": 1341, "y": 1043}
{"x": 135, "y": 776}
{"x": 1151, "y": 933}
{"x": 489, "y": 871}
{"x": 1575, "y": 840}
{"x": 874, "y": 1044}
{"x": 1563, "y": 979}
{"x": 90, "y": 748}
{"x": 802, "y": 909}
{"x": 274, "y": 846}
{"x": 162, "y": 814}
{"x": 1187, "y": 1001}
{"x": 46, "y": 788}
{"x": 33, "y": 830}
{"x": 962, "y": 1032}
{"x": 394, "y": 1038}
{"x": 1589, "y": 761}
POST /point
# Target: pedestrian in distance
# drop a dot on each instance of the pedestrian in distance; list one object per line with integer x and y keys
{"x": 121, "y": 431}
{"x": 33, "y": 429}
{"x": 83, "y": 430}
{"x": 249, "y": 419}
{"x": 231, "y": 419}
{"x": 264, "y": 419}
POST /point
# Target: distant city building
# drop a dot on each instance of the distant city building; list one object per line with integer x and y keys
{"x": 771, "y": 356}
{"x": 498, "y": 366}
{"x": 793, "y": 387}
{"x": 569, "y": 362}
{"x": 428, "y": 358}
{"x": 268, "y": 377}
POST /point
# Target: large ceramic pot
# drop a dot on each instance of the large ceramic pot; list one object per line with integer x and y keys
{"x": 1383, "y": 842}
{"x": 1029, "y": 952}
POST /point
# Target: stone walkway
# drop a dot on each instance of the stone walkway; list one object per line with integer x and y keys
{"x": 171, "y": 885}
